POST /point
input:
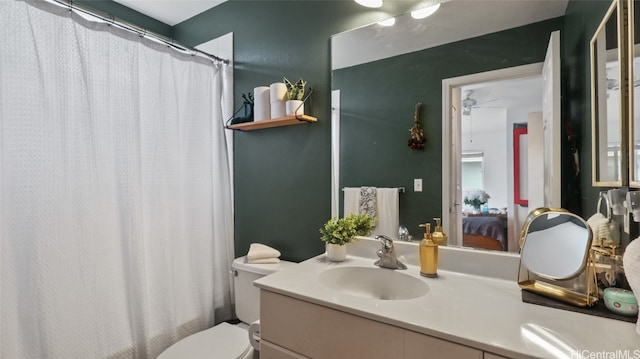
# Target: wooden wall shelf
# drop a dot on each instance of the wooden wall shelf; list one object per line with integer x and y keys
{"x": 274, "y": 122}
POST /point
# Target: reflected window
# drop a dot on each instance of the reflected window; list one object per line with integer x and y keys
{"x": 636, "y": 165}
{"x": 613, "y": 161}
{"x": 472, "y": 170}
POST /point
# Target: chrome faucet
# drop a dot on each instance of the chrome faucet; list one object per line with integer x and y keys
{"x": 387, "y": 254}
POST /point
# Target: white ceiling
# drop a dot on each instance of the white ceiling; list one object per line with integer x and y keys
{"x": 455, "y": 20}
{"x": 497, "y": 15}
{"x": 171, "y": 12}
{"x": 520, "y": 95}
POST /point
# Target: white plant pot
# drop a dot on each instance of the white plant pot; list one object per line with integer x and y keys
{"x": 336, "y": 252}
{"x": 294, "y": 108}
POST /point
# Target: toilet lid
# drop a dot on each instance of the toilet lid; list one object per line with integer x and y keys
{"x": 222, "y": 341}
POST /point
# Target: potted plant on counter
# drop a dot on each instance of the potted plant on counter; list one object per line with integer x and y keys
{"x": 337, "y": 232}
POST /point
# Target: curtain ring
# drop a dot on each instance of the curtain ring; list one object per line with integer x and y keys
{"x": 143, "y": 33}
{"x": 112, "y": 18}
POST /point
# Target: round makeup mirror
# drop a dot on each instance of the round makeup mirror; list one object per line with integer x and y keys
{"x": 555, "y": 244}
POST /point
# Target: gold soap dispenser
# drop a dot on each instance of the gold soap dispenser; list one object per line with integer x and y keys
{"x": 438, "y": 235}
{"x": 428, "y": 254}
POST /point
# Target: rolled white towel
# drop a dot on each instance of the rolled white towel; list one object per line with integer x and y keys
{"x": 264, "y": 261}
{"x": 261, "y": 251}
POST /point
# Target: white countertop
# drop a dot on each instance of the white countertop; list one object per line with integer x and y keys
{"x": 481, "y": 312}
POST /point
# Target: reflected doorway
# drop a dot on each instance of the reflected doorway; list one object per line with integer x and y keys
{"x": 485, "y": 109}
{"x": 491, "y": 113}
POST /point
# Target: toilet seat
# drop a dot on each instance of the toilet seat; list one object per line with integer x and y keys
{"x": 222, "y": 341}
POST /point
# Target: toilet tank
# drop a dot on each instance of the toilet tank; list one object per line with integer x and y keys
{"x": 247, "y": 296}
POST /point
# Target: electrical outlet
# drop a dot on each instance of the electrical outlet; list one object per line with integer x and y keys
{"x": 417, "y": 184}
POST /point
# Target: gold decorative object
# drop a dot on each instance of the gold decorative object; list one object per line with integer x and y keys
{"x": 416, "y": 141}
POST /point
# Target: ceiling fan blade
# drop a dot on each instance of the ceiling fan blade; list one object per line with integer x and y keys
{"x": 485, "y": 102}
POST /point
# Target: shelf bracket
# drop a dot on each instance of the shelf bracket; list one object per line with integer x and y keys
{"x": 303, "y": 102}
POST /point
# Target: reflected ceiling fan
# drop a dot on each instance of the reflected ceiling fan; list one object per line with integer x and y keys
{"x": 613, "y": 84}
{"x": 469, "y": 103}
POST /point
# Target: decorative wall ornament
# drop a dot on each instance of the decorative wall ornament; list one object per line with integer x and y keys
{"x": 416, "y": 141}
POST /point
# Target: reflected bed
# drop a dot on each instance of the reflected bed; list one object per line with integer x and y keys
{"x": 486, "y": 232}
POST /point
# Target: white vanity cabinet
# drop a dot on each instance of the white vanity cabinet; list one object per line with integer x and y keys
{"x": 293, "y": 328}
{"x": 463, "y": 315}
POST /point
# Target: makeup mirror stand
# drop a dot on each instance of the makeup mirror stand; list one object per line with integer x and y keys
{"x": 575, "y": 283}
{"x": 530, "y": 282}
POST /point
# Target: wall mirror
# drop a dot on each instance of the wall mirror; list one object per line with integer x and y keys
{"x": 609, "y": 145}
{"x": 380, "y": 73}
{"x": 555, "y": 247}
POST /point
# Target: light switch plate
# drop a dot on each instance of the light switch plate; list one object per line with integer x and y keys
{"x": 417, "y": 184}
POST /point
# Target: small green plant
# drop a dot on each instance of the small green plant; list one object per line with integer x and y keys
{"x": 344, "y": 230}
{"x": 295, "y": 91}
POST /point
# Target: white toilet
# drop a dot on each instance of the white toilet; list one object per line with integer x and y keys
{"x": 227, "y": 341}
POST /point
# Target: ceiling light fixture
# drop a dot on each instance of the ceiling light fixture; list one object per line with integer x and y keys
{"x": 388, "y": 22}
{"x": 425, "y": 12}
{"x": 370, "y": 3}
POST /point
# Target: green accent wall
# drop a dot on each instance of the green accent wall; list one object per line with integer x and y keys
{"x": 377, "y": 106}
{"x": 581, "y": 21}
{"x": 282, "y": 175}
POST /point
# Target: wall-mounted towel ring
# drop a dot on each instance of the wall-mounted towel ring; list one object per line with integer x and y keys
{"x": 605, "y": 229}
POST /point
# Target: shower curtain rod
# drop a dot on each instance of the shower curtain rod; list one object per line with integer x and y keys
{"x": 136, "y": 29}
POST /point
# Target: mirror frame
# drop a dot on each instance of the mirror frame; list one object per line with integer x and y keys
{"x": 619, "y": 7}
{"x": 633, "y": 181}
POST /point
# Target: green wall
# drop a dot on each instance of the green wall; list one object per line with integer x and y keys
{"x": 377, "y": 107}
{"x": 282, "y": 176}
{"x": 581, "y": 20}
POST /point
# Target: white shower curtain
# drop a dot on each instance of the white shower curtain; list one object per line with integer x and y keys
{"x": 116, "y": 223}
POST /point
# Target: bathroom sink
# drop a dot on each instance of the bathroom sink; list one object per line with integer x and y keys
{"x": 374, "y": 283}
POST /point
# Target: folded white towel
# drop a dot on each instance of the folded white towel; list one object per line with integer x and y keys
{"x": 264, "y": 261}
{"x": 351, "y": 200}
{"x": 388, "y": 212}
{"x": 261, "y": 251}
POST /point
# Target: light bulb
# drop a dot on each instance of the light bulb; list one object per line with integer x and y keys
{"x": 425, "y": 12}
{"x": 370, "y": 3}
